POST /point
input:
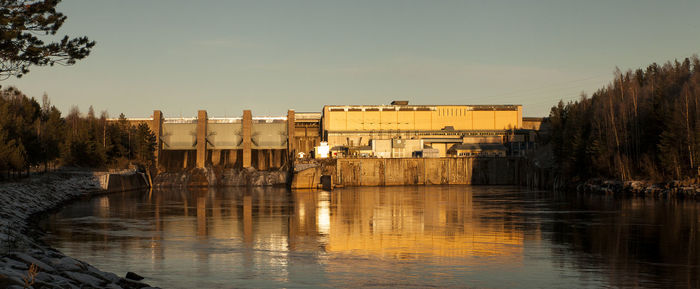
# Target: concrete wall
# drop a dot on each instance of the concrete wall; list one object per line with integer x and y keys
{"x": 216, "y": 177}
{"x": 425, "y": 171}
{"x": 118, "y": 182}
{"x": 418, "y": 118}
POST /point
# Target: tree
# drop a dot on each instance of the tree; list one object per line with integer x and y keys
{"x": 21, "y": 24}
{"x": 52, "y": 131}
{"x": 644, "y": 124}
{"x": 144, "y": 144}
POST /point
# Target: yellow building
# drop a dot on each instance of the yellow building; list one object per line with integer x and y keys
{"x": 439, "y": 125}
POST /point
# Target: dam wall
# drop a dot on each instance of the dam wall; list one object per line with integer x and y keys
{"x": 428, "y": 171}
{"x": 423, "y": 171}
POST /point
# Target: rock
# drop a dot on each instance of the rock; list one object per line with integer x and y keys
{"x": 113, "y": 286}
{"x": 44, "y": 277}
{"x": 68, "y": 264}
{"x": 85, "y": 279}
{"x": 133, "y": 276}
{"x": 54, "y": 280}
{"x": 31, "y": 260}
{"x": 14, "y": 264}
{"x": 680, "y": 189}
{"x": 6, "y": 281}
{"x": 126, "y": 283}
{"x": 111, "y": 277}
{"x": 63, "y": 282}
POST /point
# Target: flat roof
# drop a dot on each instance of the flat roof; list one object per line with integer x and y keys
{"x": 307, "y": 115}
{"x": 468, "y": 106}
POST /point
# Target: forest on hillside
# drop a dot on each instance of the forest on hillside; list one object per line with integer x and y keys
{"x": 35, "y": 136}
{"x": 645, "y": 124}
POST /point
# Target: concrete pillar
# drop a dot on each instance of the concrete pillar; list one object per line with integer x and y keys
{"x": 278, "y": 158}
{"x": 157, "y": 127}
{"x": 270, "y": 159}
{"x": 232, "y": 157}
{"x": 291, "y": 147}
{"x": 184, "y": 161}
{"x": 247, "y": 142}
{"x": 215, "y": 157}
{"x": 201, "y": 138}
{"x": 261, "y": 160}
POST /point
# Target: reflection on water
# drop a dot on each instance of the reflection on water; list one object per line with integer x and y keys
{"x": 444, "y": 236}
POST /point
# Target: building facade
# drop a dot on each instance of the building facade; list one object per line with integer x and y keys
{"x": 437, "y": 126}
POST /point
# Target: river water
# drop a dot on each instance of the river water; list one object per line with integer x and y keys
{"x": 384, "y": 237}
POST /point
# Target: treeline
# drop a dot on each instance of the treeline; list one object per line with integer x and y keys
{"x": 36, "y": 137}
{"x": 645, "y": 124}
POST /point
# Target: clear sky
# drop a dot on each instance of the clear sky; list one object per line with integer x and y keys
{"x": 269, "y": 56}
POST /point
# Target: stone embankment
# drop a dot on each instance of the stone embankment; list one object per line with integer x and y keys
{"x": 680, "y": 189}
{"x": 22, "y": 257}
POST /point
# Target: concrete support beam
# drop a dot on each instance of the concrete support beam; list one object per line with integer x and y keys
{"x": 157, "y": 127}
{"x": 184, "y": 160}
{"x": 277, "y": 158}
{"x": 201, "y": 138}
{"x": 270, "y": 160}
{"x": 247, "y": 141}
{"x": 232, "y": 157}
{"x": 261, "y": 160}
{"x": 291, "y": 147}
{"x": 215, "y": 157}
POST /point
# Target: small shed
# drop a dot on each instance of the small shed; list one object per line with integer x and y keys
{"x": 360, "y": 151}
{"x": 427, "y": 153}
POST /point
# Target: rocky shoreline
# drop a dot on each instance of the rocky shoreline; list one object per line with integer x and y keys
{"x": 24, "y": 260}
{"x": 689, "y": 189}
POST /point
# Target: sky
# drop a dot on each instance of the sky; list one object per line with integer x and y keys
{"x": 270, "y": 56}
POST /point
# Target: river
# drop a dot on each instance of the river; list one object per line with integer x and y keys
{"x": 384, "y": 237}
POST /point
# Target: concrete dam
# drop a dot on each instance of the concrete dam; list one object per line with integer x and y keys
{"x": 482, "y": 144}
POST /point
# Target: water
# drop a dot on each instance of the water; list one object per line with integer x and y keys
{"x": 424, "y": 236}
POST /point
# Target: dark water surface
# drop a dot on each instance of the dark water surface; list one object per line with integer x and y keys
{"x": 425, "y": 236}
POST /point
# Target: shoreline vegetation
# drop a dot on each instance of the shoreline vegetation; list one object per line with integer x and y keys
{"x": 688, "y": 189}
{"x": 644, "y": 125}
{"x": 35, "y": 138}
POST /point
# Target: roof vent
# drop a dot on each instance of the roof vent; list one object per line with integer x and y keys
{"x": 399, "y": 102}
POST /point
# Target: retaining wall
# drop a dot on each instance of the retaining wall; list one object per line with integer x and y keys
{"x": 428, "y": 171}
{"x": 119, "y": 182}
{"x": 421, "y": 171}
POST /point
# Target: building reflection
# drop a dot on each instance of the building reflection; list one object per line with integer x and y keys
{"x": 406, "y": 223}
{"x": 261, "y": 229}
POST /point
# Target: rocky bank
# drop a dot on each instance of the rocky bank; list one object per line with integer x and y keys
{"x": 22, "y": 257}
{"x": 689, "y": 189}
